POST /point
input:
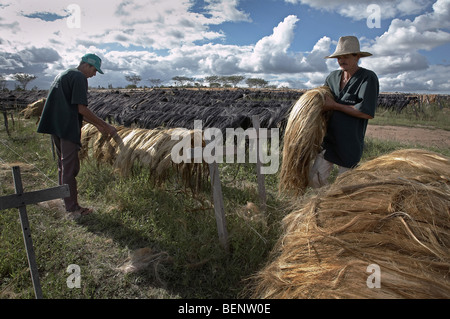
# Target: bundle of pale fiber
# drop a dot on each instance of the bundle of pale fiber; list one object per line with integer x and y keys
{"x": 34, "y": 109}
{"x": 150, "y": 148}
{"x": 392, "y": 212}
{"x": 305, "y": 130}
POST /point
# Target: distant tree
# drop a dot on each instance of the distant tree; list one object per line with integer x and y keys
{"x": 235, "y": 79}
{"x": 155, "y": 82}
{"x": 216, "y": 81}
{"x": 199, "y": 82}
{"x": 181, "y": 80}
{"x": 213, "y": 80}
{"x": 24, "y": 78}
{"x": 257, "y": 82}
{"x": 223, "y": 80}
{"x": 134, "y": 79}
{"x": 2, "y": 83}
{"x": 214, "y": 85}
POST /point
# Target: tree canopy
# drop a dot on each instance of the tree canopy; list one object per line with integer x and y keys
{"x": 24, "y": 78}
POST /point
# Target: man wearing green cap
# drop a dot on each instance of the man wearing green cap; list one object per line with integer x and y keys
{"x": 62, "y": 117}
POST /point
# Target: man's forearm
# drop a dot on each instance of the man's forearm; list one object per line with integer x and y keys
{"x": 331, "y": 104}
{"x": 93, "y": 119}
{"x": 89, "y": 116}
{"x": 350, "y": 110}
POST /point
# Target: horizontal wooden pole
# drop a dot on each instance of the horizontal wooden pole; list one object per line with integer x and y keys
{"x": 18, "y": 200}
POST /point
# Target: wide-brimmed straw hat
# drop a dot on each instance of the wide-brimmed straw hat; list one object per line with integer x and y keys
{"x": 348, "y": 45}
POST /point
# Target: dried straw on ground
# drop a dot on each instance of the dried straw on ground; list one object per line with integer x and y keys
{"x": 305, "y": 130}
{"x": 393, "y": 212}
{"x": 149, "y": 148}
{"x": 34, "y": 109}
{"x": 142, "y": 258}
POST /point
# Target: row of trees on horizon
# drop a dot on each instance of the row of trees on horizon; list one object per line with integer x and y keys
{"x": 213, "y": 81}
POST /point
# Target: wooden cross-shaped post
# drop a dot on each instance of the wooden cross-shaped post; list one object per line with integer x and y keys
{"x": 20, "y": 200}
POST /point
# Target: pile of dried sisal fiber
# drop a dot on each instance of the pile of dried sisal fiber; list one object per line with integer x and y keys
{"x": 305, "y": 130}
{"x": 34, "y": 109}
{"x": 150, "y": 148}
{"x": 392, "y": 212}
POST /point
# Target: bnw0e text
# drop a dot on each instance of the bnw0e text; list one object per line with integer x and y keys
{"x": 226, "y": 308}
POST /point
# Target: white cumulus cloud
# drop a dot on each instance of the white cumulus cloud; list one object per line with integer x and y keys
{"x": 162, "y": 39}
{"x": 357, "y": 9}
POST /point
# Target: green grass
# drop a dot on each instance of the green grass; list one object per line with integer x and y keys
{"x": 429, "y": 116}
{"x": 175, "y": 223}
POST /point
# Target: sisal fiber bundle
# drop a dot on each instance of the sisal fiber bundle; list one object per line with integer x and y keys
{"x": 34, "y": 109}
{"x": 419, "y": 165}
{"x": 392, "y": 212}
{"x": 149, "y": 148}
{"x": 305, "y": 130}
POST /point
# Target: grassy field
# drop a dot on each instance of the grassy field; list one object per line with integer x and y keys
{"x": 173, "y": 227}
{"x": 430, "y": 116}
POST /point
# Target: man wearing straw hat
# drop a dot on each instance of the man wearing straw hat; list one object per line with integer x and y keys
{"x": 62, "y": 117}
{"x": 355, "y": 91}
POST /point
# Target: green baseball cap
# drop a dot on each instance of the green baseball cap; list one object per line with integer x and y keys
{"x": 93, "y": 60}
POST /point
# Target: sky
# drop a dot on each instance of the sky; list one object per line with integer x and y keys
{"x": 281, "y": 41}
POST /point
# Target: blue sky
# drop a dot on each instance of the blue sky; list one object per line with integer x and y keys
{"x": 282, "y": 41}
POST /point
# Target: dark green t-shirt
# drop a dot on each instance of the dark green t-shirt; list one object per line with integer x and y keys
{"x": 344, "y": 140}
{"x": 60, "y": 115}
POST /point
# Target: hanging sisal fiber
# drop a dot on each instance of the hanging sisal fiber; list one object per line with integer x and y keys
{"x": 392, "y": 212}
{"x": 305, "y": 130}
{"x": 149, "y": 148}
{"x": 34, "y": 109}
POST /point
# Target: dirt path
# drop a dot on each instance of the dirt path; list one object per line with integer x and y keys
{"x": 413, "y": 135}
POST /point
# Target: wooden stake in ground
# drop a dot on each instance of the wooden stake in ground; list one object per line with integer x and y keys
{"x": 260, "y": 177}
{"x": 20, "y": 200}
{"x": 219, "y": 209}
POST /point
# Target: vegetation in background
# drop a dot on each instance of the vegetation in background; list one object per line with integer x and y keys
{"x": 431, "y": 116}
{"x": 174, "y": 225}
